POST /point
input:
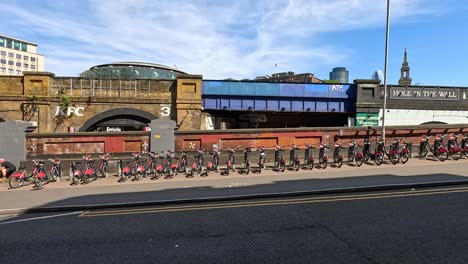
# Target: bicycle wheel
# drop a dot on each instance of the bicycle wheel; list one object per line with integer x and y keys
{"x": 77, "y": 179}
{"x": 339, "y": 163}
{"x": 93, "y": 176}
{"x": 323, "y": 163}
{"x": 456, "y": 155}
{"x": 183, "y": 168}
{"x": 358, "y": 161}
{"x": 423, "y": 152}
{"x": 125, "y": 176}
{"x": 88, "y": 178}
{"x": 15, "y": 182}
{"x": 283, "y": 167}
{"x": 247, "y": 167}
{"x": 100, "y": 174}
{"x": 404, "y": 158}
{"x": 366, "y": 156}
{"x": 311, "y": 164}
{"x": 39, "y": 182}
{"x": 378, "y": 158}
{"x": 394, "y": 158}
{"x": 442, "y": 156}
{"x": 138, "y": 175}
{"x": 55, "y": 175}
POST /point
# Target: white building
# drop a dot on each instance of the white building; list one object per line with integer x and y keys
{"x": 17, "y": 56}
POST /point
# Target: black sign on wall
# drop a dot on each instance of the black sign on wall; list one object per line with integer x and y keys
{"x": 425, "y": 93}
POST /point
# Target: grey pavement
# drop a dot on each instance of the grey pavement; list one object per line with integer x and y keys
{"x": 108, "y": 192}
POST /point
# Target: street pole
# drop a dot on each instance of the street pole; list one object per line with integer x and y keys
{"x": 385, "y": 73}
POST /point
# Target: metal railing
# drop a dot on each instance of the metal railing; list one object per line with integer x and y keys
{"x": 79, "y": 87}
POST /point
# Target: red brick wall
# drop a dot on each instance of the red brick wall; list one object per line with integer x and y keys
{"x": 271, "y": 137}
{"x": 125, "y": 142}
{"x": 81, "y": 143}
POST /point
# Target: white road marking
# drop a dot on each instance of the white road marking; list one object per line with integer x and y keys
{"x": 38, "y": 218}
{"x": 6, "y": 217}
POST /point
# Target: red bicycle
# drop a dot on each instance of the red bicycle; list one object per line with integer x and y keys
{"x": 18, "y": 177}
{"x": 309, "y": 155}
{"x": 323, "y": 155}
{"x": 166, "y": 166}
{"x": 86, "y": 175}
{"x": 338, "y": 155}
{"x": 294, "y": 159}
{"x": 453, "y": 148}
{"x": 280, "y": 164}
{"x": 230, "y": 162}
{"x": 261, "y": 158}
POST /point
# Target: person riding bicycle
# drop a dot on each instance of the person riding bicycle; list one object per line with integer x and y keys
{"x": 6, "y": 168}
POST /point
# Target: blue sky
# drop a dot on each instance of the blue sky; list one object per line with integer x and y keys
{"x": 245, "y": 39}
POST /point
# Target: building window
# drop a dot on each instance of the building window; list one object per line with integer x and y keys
{"x": 16, "y": 44}
{"x": 3, "y": 61}
{"x": 25, "y": 58}
{"x": 2, "y": 42}
{"x": 11, "y": 62}
{"x": 10, "y": 54}
{"x": 33, "y": 67}
{"x": 18, "y": 56}
{"x": 9, "y": 43}
{"x": 18, "y": 72}
{"x": 25, "y": 65}
{"x": 3, "y": 53}
{"x": 18, "y": 64}
{"x": 2, "y": 69}
{"x": 368, "y": 92}
{"x": 11, "y": 71}
{"x": 24, "y": 47}
{"x": 33, "y": 59}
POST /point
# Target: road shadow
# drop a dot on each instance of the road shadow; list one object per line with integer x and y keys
{"x": 263, "y": 190}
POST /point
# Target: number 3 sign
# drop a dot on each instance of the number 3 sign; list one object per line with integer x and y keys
{"x": 165, "y": 110}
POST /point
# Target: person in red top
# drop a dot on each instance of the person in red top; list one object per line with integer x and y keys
{"x": 6, "y": 168}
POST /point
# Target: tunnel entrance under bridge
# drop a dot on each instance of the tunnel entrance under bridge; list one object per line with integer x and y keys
{"x": 120, "y": 119}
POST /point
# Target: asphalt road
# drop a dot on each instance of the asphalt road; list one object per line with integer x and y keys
{"x": 109, "y": 191}
{"x": 408, "y": 226}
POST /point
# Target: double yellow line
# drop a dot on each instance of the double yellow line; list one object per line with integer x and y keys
{"x": 321, "y": 199}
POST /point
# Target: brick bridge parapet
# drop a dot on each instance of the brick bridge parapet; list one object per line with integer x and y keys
{"x": 58, "y": 103}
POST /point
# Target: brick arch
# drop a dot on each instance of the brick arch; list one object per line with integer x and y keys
{"x": 134, "y": 116}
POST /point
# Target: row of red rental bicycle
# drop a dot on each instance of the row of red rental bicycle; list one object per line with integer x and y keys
{"x": 77, "y": 174}
{"x": 170, "y": 165}
{"x": 167, "y": 165}
{"x": 456, "y": 150}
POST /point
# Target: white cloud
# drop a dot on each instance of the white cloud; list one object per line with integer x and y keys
{"x": 219, "y": 39}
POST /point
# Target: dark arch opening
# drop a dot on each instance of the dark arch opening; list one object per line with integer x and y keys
{"x": 120, "y": 119}
{"x": 434, "y": 123}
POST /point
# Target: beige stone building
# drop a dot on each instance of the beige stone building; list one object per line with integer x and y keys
{"x": 18, "y": 56}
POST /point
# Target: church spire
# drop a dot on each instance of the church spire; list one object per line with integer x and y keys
{"x": 405, "y": 59}
{"x": 405, "y": 79}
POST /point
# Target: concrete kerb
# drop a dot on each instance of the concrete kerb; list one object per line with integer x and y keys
{"x": 234, "y": 198}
